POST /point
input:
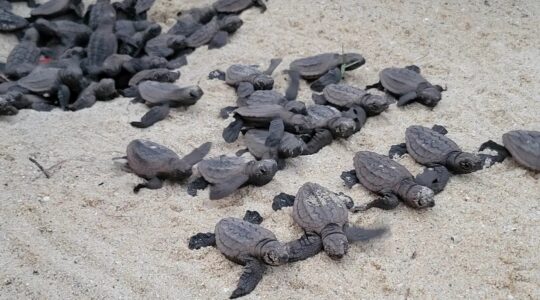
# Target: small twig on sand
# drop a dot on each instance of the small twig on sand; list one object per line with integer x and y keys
{"x": 40, "y": 167}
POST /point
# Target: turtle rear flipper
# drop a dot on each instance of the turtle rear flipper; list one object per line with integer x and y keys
{"x": 332, "y": 76}
{"x": 388, "y": 201}
{"x": 320, "y": 139}
{"x": 231, "y": 132}
{"x": 224, "y": 112}
{"x": 355, "y": 234}
{"x": 377, "y": 86}
{"x": 282, "y": 200}
{"x": 63, "y": 96}
{"x": 305, "y": 247}
{"x": 224, "y": 189}
{"x": 407, "y": 98}
{"x": 217, "y": 74}
{"x": 152, "y": 184}
{"x": 261, "y": 4}
{"x": 349, "y": 178}
{"x": 399, "y": 150}
{"x": 154, "y": 115}
{"x": 489, "y": 160}
{"x": 252, "y": 275}
{"x": 294, "y": 84}
{"x": 201, "y": 240}
{"x": 220, "y": 39}
{"x": 196, "y": 184}
{"x": 434, "y": 178}
{"x": 440, "y": 129}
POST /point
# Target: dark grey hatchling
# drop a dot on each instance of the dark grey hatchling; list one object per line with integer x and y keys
{"x": 441, "y": 155}
{"x": 10, "y": 22}
{"x": 328, "y": 117}
{"x": 102, "y": 44}
{"x": 346, "y": 96}
{"x": 522, "y": 145}
{"x": 156, "y": 163}
{"x": 391, "y": 180}
{"x": 54, "y": 8}
{"x": 25, "y": 56}
{"x": 321, "y": 70}
{"x": 237, "y": 6}
{"x": 225, "y": 174}
{"x": 257, "y": 143}
{"x": 408, "y": 85}
{"x": 97, "y": 91}
{"x": 324, "y": 214}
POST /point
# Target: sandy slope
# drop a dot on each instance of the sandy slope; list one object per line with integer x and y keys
{"x": 84, "y": 234}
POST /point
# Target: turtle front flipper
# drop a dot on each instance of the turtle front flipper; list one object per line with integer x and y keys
{"x": 231, "y": 132}
{"x": 294, "y": 85}
{"x": 413, "y": 68}
{"x": 331, "y": 77}
{"x": 275, "y": 133}
{"x": 356, "y": 234}
{"x": 223, "y": 189}
{"x": 244, "y": 89}
{"x": 305, "y": 247}
{"x": 220, "y": 39}
{"x": 407, "y": 98}
{"x": 196, "y": 184}
{"x": 349, "y": 178}
{"x": 274, "y": 63}
{"x": 434, "y": 178}
{"x": 151, "y": 184}
{"x": 489, "y": 160}
{"x": 154, "y": 115}
{"x": 399, "y": 150}
{"x": 252, "y": 275}
{"x": 388, "y": 201}
{"x": 64, "y": 94}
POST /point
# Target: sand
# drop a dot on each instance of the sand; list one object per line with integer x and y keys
{"x": 84, "y": 234}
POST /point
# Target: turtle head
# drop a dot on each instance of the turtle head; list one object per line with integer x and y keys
{"x": 274, "y": 253}
{"x": 419, "y": 196}
{"x": 263, "y": 82}
{"x": 428, "y": 94}
{"x": 193, "y": 92}
{"x": 106, "y": 88}
{"x": 262, "y": 171}
{"x": 342, "y": 127}
{"x": 300, "y": 124}
{"x": 463, "y": 162}
{"x": 353, "y": 61}
{"x": 176, "y": 42}
{"x": 375, "y": 104}
{"x": 334, "y": 241}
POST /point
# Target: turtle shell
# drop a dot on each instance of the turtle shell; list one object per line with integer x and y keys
{"x": 378, "y": 172}
{"x": 10, "y": 21}
{"x": 148, "y": 159}
{"x": 524, "y": 146}
{"x": 25, "y": 52}
{"x": 239, "y": 73}
{"x": 320, "y": 114}
{"x": 316, "y": 206}
{"x": 158, "y": 46}
{"x": 315, "y": 66}
{"x": 159, "y": 92}
{"x": 185, "y": 25}
{"x": 266, "y": 112}
{"x": 222, "y": 168}
{"x": 235, "y": 237}
{"x": 343, "y": 95}
{"x": 290, "y": 145}
{"x": 160, "y": 75}
{"x": 262, "y": 97}
{"x": 232, "y": 6}
{"x": 427, "y": 146}
{"x": 57, "y": 7}
{"x": 400, "y": 81}
{"x": 40, "y": 80}
{"x": 203, "y": 35}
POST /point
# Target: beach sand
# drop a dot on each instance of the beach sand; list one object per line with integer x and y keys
{"x": 83, "y": 233}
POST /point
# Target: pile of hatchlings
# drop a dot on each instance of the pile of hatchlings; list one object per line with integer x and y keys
{"x": 69, "y": 58}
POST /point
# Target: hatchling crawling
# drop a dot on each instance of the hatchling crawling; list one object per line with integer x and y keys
{"x": 346, "y": 96}
{"x": 156, "y": 163}
{"x": 441, "y": 155}
{"x": 237, "y": 6}
{"x": 408, "y": 85}
{"x": 288, "y": 146}
{"x": 391, "y": 180}
{"x": 225, "y": 174}
{"x": 522, "y": 145}
{"x": 327, "y": 117}
{"x": 265, "y": 97}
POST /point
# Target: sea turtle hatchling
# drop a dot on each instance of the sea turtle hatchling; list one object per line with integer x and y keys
{"x": 408, "y": 85}
{"x": 289, "y": 146}
{"x": 156, "y": 163}
{"x": 97, "y": 91}
{"x": 54, "y": 8}
{"x": 10, "y": 22}
{"x": 391, "y": 180}
{"x": 102, "y": 44}
{"x": 265, "y": 97}
{"x": 328, "y": 117}
{"x": 159, "y": 75}
{"x": 322, "y": 70}
{"x": 324, "y": 213}
{"x": 225, "y": 174}
{"x": 522, "y": 145}
{"x": 346, "y": 96}
{"x": 24, "y": 57}
{"x": 237, "y": 6}
{"x": 441, "y": 155}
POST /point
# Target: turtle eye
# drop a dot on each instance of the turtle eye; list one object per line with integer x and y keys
{"x": 262, "y": 171}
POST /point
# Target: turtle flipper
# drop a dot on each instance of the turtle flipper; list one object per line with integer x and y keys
{"x": 413, "y": 68}
{"x": 407, "y": 98}
{"x": 63, "y": 96}
{"x": 253, "y": 273}
{"x": 319, "y": 99}
{"x": 224, "y": 112}
{"x": 275, "y": 133}
{"x": 305, "y": 247}
{"x": 201, "y": 240}
{"x": 231, "y": 132}
{"x": 282, "y": 200}
{"x": 224, "y": 189}
{"x": 440, "y": 129}
{"x": 294, "y": 85}
{"x": 389, "y": 201}
{"x": 332, "y": 76}
{"x": 320, "y": 139}
{"x": 399, "y": 150}
{"x": 220, "y": 39}
{"x": 196, "y": 156}
{"x": 154, "y": 115}
{"x": 434, "y": 178}
{"x": 217, "y": 74}
{"x": 151, "y": 184}
{"x": 377, "y": 86}
{"x": 355, "y": 234}
{"x": 197, "y": 184}
{"x": 349, "y": 178}
{"x": 261, "y": 4}
{"x": 274, "y": 63}
{"x": 244, "y": 89}
{"x": 489, "y": 160}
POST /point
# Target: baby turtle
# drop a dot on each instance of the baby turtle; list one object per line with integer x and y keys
{"x": 10, "y": 22}
{"x": 101, "y": 12}
{"x": 103, "y": 90}
{"x": 442, "y": 156}
{"x": 54, "y": 8}
{"x": 265, "y": 97}
{"x": 103, "y": 43}
{"x": 165, "y": 45}
{"x": 156, "y": 163}
{"x": 289, "y": 146}
{"x": 159, "y": 75}
{"x": 246, "y": 79}
{"x": 225, "y": 174}
{"x": 408, "y": 85}
{"x": 328, "y": 117}
{"x": 346, "y": 96}
{"x": 522, "y": 145}
{"x": 389, "y": 179}
{"x": 322, "y": 69}
{"x": 25, "y": 56}
{"x": 70, "y": 34}
{"x": 260, "y": 116}
{"x": 324, "y": 213}
{"x": 237, "y": 6}
{"x": 156, "y": 93}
